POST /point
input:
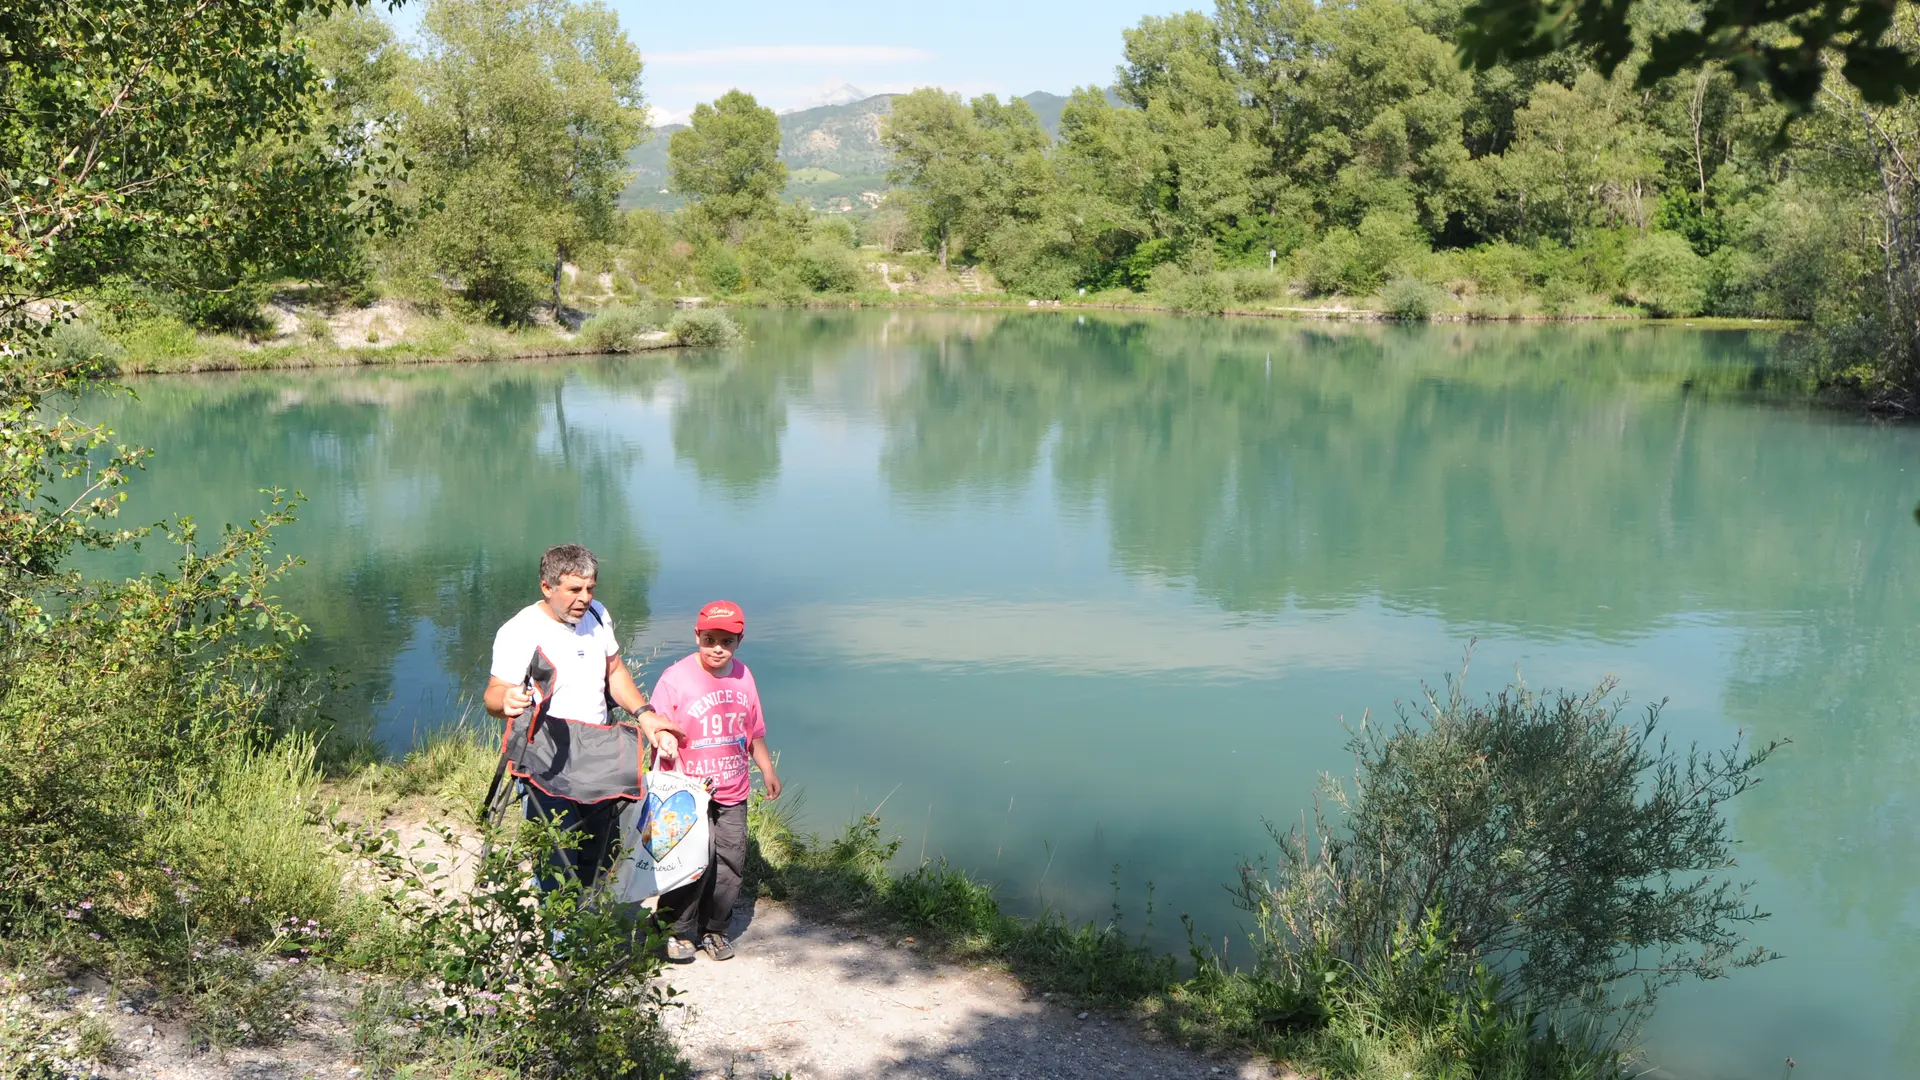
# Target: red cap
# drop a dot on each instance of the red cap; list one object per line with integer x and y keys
{"x": 721, "y": 615}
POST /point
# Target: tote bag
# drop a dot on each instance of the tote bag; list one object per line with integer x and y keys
{"x": 665, "y": 838}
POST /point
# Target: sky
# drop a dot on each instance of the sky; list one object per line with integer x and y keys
{"x": 791, "y": 55}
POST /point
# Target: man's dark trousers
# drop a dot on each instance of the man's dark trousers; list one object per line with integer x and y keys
{"x": 706, "y": 906}
{"x": 596, "y": 824}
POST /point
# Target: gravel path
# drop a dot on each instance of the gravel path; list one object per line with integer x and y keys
{"x": 823, "y": 1002}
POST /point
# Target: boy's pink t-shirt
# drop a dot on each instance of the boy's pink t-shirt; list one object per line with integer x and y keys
{"x": 721, "y": 716}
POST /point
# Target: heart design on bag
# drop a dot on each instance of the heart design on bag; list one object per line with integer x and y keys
{"x": 668, "y": 822}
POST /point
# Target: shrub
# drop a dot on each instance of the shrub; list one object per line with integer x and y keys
{"x": 829, "y": 269}
{"x": 835, "y": 231}
{"x": 1250, "y": 286}
{"x": 1409, "y": 299}
{"x": 721, "y": 269}
{"x": 76, "y": 342}
{"x": 1665, "y": 275}
{"x": 1207, "y": 294}
{"x": 703, "y": 328}
{"x": 1528, "y": 833}
{"x": 546, "y": 984}
{"x": 242, "y": 835}
{"x": 615, "y": 330}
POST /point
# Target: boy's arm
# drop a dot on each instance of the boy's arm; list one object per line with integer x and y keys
{"x": 764, "y": 761}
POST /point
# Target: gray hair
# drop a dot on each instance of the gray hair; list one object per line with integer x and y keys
{"x": 567, "y": 559}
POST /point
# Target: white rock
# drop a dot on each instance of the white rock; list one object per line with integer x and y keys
{"x": 1083, "y": 1016}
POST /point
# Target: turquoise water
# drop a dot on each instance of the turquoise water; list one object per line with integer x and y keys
{"x": 1074, "y": 593}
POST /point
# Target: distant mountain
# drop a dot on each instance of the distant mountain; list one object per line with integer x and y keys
{"x": 839, "y": 138}
{"x": 835, "y": 136}
{"x": 830, "y": 93}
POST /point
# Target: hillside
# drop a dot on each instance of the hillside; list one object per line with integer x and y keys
{"x": 842, "y": 141}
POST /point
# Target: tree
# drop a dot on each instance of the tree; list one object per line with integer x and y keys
{"x": 727, "y": 159}
{"x": 521, "y": 114}
{"x": 936, "y": 149}
{"x": 1787, "y": 45}
{"x": 157, "y": 130}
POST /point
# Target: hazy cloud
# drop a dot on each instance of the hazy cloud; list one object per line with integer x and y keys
{"x": 794, "y": 54}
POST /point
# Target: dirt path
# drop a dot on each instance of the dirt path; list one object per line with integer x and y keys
{"x": 824, "y": 1002}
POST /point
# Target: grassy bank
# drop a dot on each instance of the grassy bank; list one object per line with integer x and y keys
{"x": 353, "y": 865}
{"x": 1349, "y": 1028}
{"x": 298, "y": 330}
{"x": 294, "y": 333}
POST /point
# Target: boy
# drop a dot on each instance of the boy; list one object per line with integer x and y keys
{"x": 711, "y": 697}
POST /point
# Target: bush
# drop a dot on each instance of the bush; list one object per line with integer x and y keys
{"x": 836, "y": 232}
{"x": 615, "y": 330}
{"x": 1529, "y": 834}
{"x": 242, "y": 835}
{"x": 546, "y": 984}
{"x": 1409, "y": 299}
{"x": 1205, "y": 294}
{"x": 1251, "y": 286}
{"x": 1665, "y": 275}
{"x": 76, "y": 342}
{"x": 703, "y": 328}
{"x": 822, "y": 268}
{"x": 721, "y": 269}
{"x": 1354, "y": 262}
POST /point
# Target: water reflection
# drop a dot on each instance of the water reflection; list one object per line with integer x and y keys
{"x": 431, "y": 494}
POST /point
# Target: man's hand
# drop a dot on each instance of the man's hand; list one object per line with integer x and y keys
{"x": 515, "y": 702}
{"x": 663, "y": 733}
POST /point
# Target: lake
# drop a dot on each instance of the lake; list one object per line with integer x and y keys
{"x": 1019, "y": 575}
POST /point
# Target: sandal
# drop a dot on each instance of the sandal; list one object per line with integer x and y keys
{"x": 679, "y": 951}
{"x": 717, "y": 946}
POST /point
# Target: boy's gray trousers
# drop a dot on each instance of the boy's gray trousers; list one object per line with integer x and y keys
{"x": 706, "y": 906}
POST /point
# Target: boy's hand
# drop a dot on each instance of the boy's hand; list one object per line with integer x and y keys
{"x": 773, "y": 783}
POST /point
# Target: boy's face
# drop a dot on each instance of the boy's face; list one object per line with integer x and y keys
{"x": 568, "y": 600}
{"x": 716, "y": 648}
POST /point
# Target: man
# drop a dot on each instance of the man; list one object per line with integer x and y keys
{"x": 578, "y": 767}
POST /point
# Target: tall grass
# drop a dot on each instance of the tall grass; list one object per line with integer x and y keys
{"x": 246, "y": 844}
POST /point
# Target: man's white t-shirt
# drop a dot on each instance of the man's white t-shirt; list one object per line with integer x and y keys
{"x": 578, "y": 654}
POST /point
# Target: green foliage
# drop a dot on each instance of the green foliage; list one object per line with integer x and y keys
{"x": 1409, "y": 299}
{"x": 1536, "y": 835}
{"x": 1203, "y": 294}
{"x": 546, "y": 984}
{"x": 1742, "y": 37}
{"x": 703, "y": 328}
{"x": 520, "y": 116}
{"x": 192, "y": 155}
{"x": 37, "y": 1045}
{"x": 850, "y": 877}
{"x": 1664, "y": 275}
{"x": 615, "y": 330}
{"x": 1355, "y": 262}
{"x": 239, "y": 998}
{"x": 828, "y": 269}
{"x": 727, "y": 159}
{"x": 721, "y": 268}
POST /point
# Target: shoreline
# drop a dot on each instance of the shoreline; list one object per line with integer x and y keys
{"x": 240, "y": 357}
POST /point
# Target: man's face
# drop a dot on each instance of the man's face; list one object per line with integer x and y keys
{"x": 569, "y": 598}
{"x": 716, "y": 648}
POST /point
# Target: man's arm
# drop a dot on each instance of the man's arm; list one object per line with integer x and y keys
{"x": 507, "y": 700}
{"x": 626, "y": 694}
